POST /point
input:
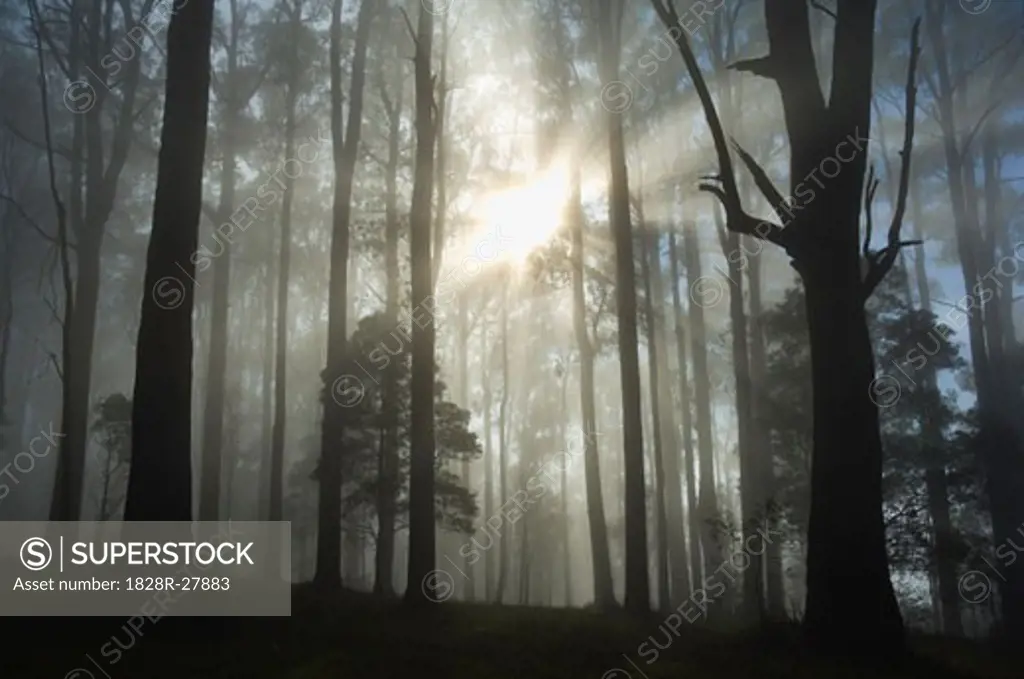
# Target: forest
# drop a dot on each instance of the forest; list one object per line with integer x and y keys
{"x": 628, "y": 339}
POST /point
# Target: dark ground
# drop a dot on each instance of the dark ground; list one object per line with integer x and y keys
{"x": 357, "y": 637}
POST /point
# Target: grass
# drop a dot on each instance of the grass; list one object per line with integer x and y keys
{"x": 356, "y": 636}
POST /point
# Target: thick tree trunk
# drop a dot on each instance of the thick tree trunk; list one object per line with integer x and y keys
{"x": 160, "y": 481}
{"x": 850, "y": 598}
{"x": 846, "y": 563}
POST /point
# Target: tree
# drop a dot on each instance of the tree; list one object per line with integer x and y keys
{"x": 160, "y": 483}
{"x": 421, "y": 472}
{"x": 850, "y": 599}
{"x": 604, "y": 595}
{"x": 705, "y": 512}
{"x": 386, "y": 510}
{"x": 979, "y": 246}
{"x": 94, "y": 175}
{"x": 905, "y": 337}
{"x": 346, "y": 153}
{"x": 234, "y": 93}
{"x": 291, "y": 75}
{"x": 722, "y": 43}
{"x": 637, "y": 588}
{"x": 648, "y": 242}
{"x": 375, "y": 493}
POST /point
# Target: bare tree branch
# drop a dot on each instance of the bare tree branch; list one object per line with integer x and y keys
{"x": 879, "y": 267}
{"x": 29, "y": 220}
{"x": 736, "y": 219}
{"x": 821, "y": 8}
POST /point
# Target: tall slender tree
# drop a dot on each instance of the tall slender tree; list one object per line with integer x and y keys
{"x": 690, "y": 464}
{"x": 637, "y": 585}
{"x": 346, "y": 153}
{"x": 647, "y": 240}
{"x": 95, "y": 173}
{"x": 422, "y": 538}
{"x": 235, "y": 95}
{"x": 386, "y": 510}
{"x": 292, "y": 77}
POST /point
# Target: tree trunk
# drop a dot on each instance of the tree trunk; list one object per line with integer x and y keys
{"x": 485, "y": 379}
{"x": 462, "y": 331}
{"x": 66, "y": 502}
{"x": 213, "y": 412}
{"x": 693, "y": 522}
{"x": 441, "y": 157}
{"x": 503, "y": 424}
{"x": 646, "y": 243}
{"x": 604, "y": 595}
{"x": 276, "y": 511}
{"x": 707, "y": 500}
{"x": 386, "y": 511}
{"x": 88, "y": 221}
{"x": 422, "y": 538}
{"x": 850, "y": 601}
{"x": 751, "y": 502}
{"x": 267, "y": 410}
{"x": 526, "y": 442}
{"x": 775, "y": 588}
{"x": 1000, "y": 438}
{"x": 677, "y": 552}
{"x": 846, "y": 562}
{"x": 564, "y": 519}
{"x": 936, "y": 480}
{"x": 637, "y": 596}
{"x": 345, "y": 151}
{"x": 160, "y": 480}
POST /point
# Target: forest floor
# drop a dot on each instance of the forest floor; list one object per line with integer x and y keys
{"x": 358, "y": 637}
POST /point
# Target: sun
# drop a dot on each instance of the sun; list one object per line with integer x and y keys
{"x": 527, "y": 216}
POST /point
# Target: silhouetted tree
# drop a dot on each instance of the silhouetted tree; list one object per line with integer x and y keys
{"x": 637, "y": 587}
{"x": 346, "y": 153}
{"x": 421, "y": 472}
{"x": 160, "y": 483}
